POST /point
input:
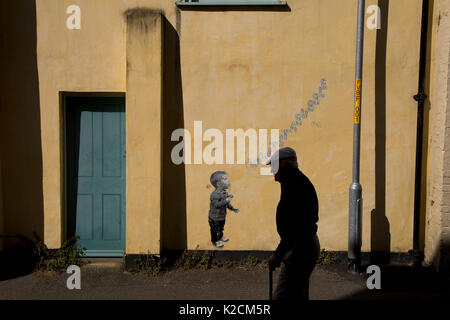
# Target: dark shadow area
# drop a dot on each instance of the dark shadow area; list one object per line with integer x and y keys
{"x": 440, "y": 259}
{"x": 72, "y": 152}
{"x": 380, "y": 237}
{"x": 402, "y": 282}
{"x": 270, "y": 8}
{"x": 173, "y": 221}
{"x": 19, "y": 260}
{"x": 20, "y": 135}
{"x": 444, "y": 257}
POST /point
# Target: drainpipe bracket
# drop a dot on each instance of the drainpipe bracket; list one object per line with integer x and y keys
{"x": 421, "y": 96}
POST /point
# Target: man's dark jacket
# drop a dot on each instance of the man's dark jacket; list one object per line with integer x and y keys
{"x": 297, "y": 216}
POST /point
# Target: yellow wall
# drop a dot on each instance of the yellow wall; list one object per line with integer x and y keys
{"x": 254, "y": 69}
{"x": 143, "y": 111}
{"x": 251, "y": 69}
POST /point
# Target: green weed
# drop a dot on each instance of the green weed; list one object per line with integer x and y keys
{"x": 326, "y": 257}
{"x": 150, "y": 264}
{"x": 70, "y": 253}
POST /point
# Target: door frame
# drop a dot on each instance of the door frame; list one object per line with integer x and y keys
{"x": 63, "y": 95}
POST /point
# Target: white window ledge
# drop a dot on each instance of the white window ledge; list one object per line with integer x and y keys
{"x": 231, "y": 3}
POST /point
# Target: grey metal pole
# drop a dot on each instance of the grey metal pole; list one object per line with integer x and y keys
{"x": 355, "y": 207}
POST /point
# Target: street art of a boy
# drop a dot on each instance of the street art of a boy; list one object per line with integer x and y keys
{"x": 220, "y": 202}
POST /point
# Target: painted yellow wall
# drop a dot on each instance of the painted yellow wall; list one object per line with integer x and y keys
{"x": 72, "y": 61}
{"x": 249, "y": 69}
{"x": 143, "y": 111}
{"x": 255, "y": 69}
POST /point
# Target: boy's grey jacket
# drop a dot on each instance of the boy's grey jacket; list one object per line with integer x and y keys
{"x": 218, "y": 206}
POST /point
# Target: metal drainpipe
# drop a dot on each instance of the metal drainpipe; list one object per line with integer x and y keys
{"x": 355, "y": 194}
{"x": 420, "y": 97}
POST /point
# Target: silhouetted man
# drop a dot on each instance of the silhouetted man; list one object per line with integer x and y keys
{"x": 297, "y": 216}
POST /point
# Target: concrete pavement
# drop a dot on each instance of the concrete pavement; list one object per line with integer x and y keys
{"x": 328, "y": 282}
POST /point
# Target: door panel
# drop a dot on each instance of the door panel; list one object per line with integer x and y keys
{"x": 85, "y": 208}
{"x": 96, "y": 174}
{"x": 111, "y": 216}
{"x": 111, "y": 144}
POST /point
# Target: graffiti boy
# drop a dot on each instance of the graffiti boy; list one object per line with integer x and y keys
{"x": 219, "y": 202}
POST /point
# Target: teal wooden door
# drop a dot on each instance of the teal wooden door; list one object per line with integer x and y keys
{"x": 95, "y": 133}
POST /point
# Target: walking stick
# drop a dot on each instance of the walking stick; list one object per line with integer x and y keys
{"x": 270, "y": 283}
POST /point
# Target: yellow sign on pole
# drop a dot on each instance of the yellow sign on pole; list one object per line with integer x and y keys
{"x": 358, "y": 101}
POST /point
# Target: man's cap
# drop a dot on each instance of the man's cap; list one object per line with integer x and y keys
{"x": 283, "y": 153}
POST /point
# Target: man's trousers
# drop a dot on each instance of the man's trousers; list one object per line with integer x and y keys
{"x": 293, "y": 283}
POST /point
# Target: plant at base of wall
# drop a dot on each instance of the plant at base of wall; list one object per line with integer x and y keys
{"x": 59, "y": 260}
{"x": 193, "y": 260}
{"x": 326, "y": 257}
{"x": 188, "y": 260}
{"x": 150, "y": 264}
{"x": 253, "y": 261}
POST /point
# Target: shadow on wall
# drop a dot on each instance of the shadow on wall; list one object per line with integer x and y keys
{"x": 380, "y": 237}
{"x": 380, "y": 228}
{"x": 20, "y": 134}
{"x": 443, "y": 255}
{"x": 174, "y": 234}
